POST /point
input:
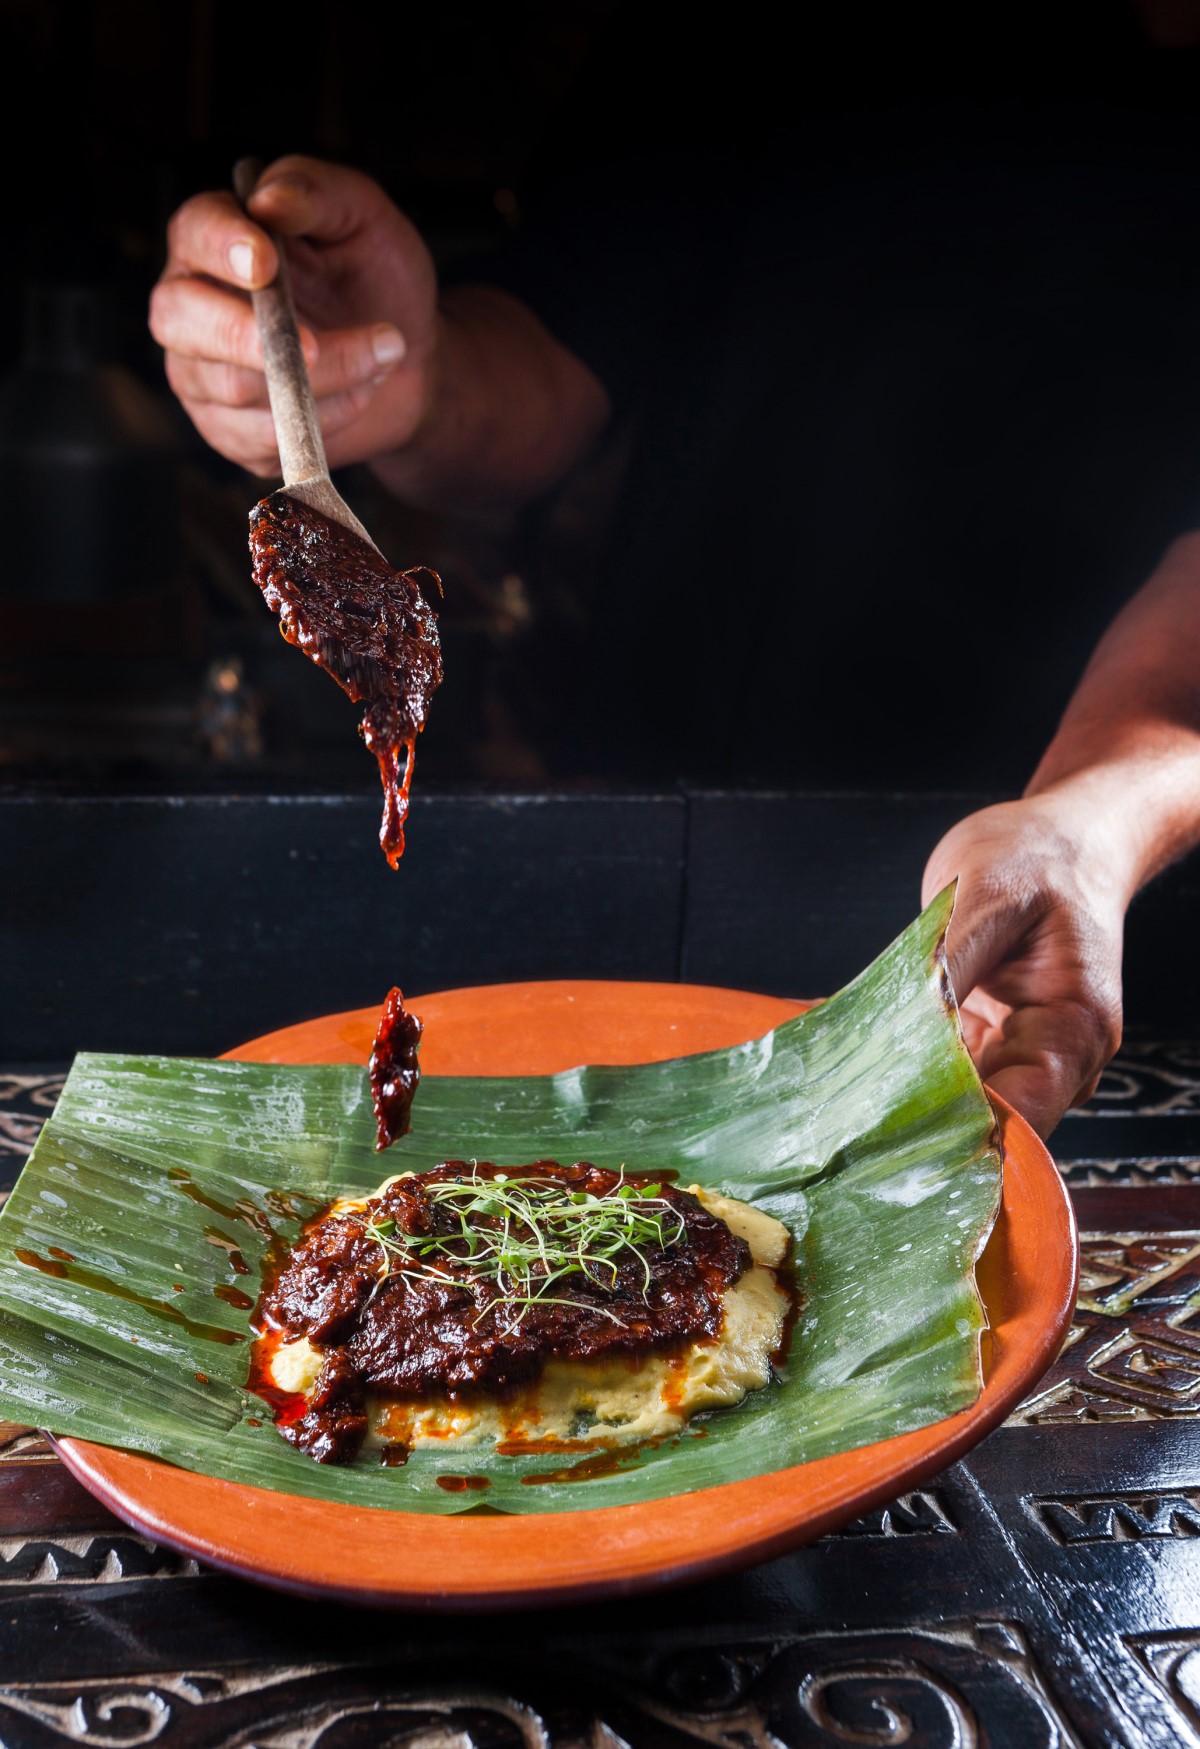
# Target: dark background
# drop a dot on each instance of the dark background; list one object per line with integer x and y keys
{"x": 988, "y": 441}
{"x": 1031, "y": 1592}
{"x": 125, "y": 588}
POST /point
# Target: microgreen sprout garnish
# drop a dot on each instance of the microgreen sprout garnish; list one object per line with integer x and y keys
{"x": 522, "y": 1236}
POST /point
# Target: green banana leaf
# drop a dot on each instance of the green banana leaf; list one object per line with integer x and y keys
{"x": 862, "y": 1125}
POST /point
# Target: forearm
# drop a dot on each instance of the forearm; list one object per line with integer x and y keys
{"x": 509, "y": 410}
{"x": 1044, "y": 883}
{"x": 1123, "y": 770}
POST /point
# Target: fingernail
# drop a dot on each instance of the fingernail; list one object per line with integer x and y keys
{"x": 241, "y": 261}
{"x": 284, "y": 184}
{"x": 388, "y": 346}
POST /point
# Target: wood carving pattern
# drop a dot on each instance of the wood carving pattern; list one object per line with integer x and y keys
{"x": 1130, "y": 1174}
{"x": 1133, "y": 1351}
{"x": 1109, "y": 1518}
{"x": 954, "y": 1686}
{"x": 1149, "y": 1077}
{"x": 89, "y": 1559}
{"x": 1144, "y": 1370}
{"x": 923, "y": 1513}
{"x": 24, "y": 1445}
{"x": 26, "y": 1101}
{"x": 1117, "y": 1270}
{"x": 311, "y": 1706}
{"x": 1172, "y": 1660}
{"x": 957, "y": 1685}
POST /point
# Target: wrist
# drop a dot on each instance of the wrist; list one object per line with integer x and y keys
{"x": 1091, "y": 820}
{"x": 507, "y": 410}
{"x": 1133, "y": 807}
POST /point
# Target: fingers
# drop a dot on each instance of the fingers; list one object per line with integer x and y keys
{"x": 247, "y": 435}
{"x": 970, "y": 954}
{"x": 202, "y": 381}
{"x": 1046, "y": 1059}
{"x": 198, "y": 314}
{"x": 298, "y": 197}
{"x": 991, "y": 909}
{"x": 201, "y": 312}
{"x": 1040, "y": 1099}
{"x": 981, "y": 935}
{"x": 337, "y": 362}
{"x": 1040, "y": 1021}
{"x": 1034, "y": 953}
{"x": 976, "y": 1029}
{"x": 327, "y": 203}
{"x": 346, "y": 357}
{"x": 211, "y": 235}
{"x": 193, "y": 319}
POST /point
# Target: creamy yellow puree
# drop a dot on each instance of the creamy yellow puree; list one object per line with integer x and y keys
{"x": 615, "y": 1400}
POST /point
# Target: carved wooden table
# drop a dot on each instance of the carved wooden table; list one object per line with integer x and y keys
{"x": 1044, "y": 1592}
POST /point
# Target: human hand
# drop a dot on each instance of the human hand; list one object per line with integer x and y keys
{"x": 366, "y": 295}
{"x": 1034, "y": 948}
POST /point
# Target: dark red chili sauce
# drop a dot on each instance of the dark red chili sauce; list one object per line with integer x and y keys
{"x": 408, "y": 1337}
{"x": 395, "y": 1073}
{"x": 365, "y": 624}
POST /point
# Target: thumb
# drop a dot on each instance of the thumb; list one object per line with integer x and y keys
{"x": 981, "y": 934}
{"x": 305, "y": 197}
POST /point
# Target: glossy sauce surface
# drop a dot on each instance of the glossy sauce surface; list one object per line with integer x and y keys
{"x": 398, "y": 1333}
{"x": 64, "y": 1267}
{"x": 394, "y": 1071}
{"x": 366, "y": 625}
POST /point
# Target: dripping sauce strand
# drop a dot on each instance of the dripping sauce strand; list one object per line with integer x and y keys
{"x": 369, "y": 627}
{"x": 395, "y": 778}
{"x": 394, "y": 1070}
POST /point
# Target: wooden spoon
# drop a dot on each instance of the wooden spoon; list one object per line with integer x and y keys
{"x": 297, "y": 428}
{"x": 337, "y": 597}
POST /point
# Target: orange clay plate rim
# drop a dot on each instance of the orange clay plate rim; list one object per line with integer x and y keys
{"x": 375, "y": 1555}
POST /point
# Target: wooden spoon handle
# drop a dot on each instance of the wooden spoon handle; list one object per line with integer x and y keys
{"x": 297, "y": 428}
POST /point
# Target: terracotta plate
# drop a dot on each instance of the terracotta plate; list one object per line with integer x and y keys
{"x": 371, "y": 1555}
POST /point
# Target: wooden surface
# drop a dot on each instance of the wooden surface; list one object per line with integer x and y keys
{"x": 1044, "y": 1591}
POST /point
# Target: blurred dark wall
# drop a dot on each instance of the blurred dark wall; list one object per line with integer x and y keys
{"x": 966, "y": 399}
{"x": 121, "y": 110}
